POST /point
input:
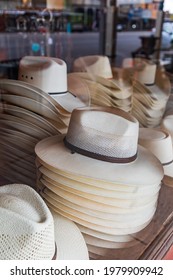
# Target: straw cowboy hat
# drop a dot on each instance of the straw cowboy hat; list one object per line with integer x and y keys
{"x": 50, "y": 75}
{"x": 151, "y": 89}
{"x": 109, "y": 144}
{"x": 159, "y": 142}
{"x": 93, "y": 64}
{"x": 30, "y": 231}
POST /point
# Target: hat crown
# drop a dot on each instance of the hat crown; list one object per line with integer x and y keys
{"x": 147, "y": 73}
{"x": 95, "y": 64}
{"x": 107, "y": 134}
{"x": 158, "y": 141}
{"x": 47, "y": 73}
{"x": 26, "y": 224}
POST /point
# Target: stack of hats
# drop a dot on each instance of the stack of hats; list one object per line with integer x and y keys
{"x": 159, "y": 142}
{"x": 151, "y": 93}
{"x": 36, "y": 106}
{"x": 30, "y": 231}
{"x": 97, "y": 176}
{"x": 105, "y": 89}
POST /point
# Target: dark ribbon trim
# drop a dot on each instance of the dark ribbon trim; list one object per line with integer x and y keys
{"x": 55, "y": 255}
{"x": 148, "y": 85}
{"x": 58, "y": 93}
{"x": 98, "y": 156}
{"x": 167, "y": 163}
{"x": 51, "y": 93}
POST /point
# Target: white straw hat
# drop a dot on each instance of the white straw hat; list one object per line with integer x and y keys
{"x": 159, "y": 142}
{"x": 93, "y": 64}
{"x": 146, "y": 72}
{"x": 100, "y": 147}
{"x": 50, "y": 75}
{"x": 29, "y": 231}
{"x": 104, "y": 149}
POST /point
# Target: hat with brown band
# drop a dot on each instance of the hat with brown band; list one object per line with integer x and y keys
{"x": 96, "y": 138}
{"x": 100, "y": 149}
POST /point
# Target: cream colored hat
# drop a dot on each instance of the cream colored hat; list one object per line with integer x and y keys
{"x": 146, "y": 72}
{"x": 167, "y": 124}
{"x": 159, "y": 142}
{"x": 30, "y": 231}
{"x": 50, "y": 75}
{"x": 94, "y": 64}
{"x": 102, "y": 149}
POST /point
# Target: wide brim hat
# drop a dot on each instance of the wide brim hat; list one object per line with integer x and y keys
{"x": 53, "y": 153}
{"x": 49, "y": 235}
{"x": 159, "y": 142}
{"x": 71, "y": 244}
{"x": 50, "y": 76}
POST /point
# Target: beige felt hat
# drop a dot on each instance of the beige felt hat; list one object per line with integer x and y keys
{"x": 159, "y": 142}
{"x": 50, "y": 75}
{"x": 93, "y": 64}
{"x": 30, "y": 231}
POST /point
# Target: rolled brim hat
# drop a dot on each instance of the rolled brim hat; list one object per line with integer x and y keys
{"x": 159, "y": 142}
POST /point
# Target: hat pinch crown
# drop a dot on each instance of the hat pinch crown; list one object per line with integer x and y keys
{"x": 106, "y": 134}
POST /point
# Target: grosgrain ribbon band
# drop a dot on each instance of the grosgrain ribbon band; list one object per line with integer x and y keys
{"x": 167, "y": 163}
{"x": 97, "y": 156}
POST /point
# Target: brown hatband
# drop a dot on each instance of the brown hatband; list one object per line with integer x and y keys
{"x": 97, "y": 156}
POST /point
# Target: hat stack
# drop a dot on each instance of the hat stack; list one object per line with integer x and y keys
{"x": 151, "y": 93}
{"x": 97, "y": 176}
{"x": 32, "y": 108}
{"x": 159, "y": 142}
{"x": 105, "y": 89}
{"x": 30, "y": 231}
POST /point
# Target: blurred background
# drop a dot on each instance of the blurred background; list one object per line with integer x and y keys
{"x": 69, "y": 29}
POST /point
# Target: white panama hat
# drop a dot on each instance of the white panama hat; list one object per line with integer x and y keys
{"x": 93, "y": 64}
{"x": 30, "y": 231}
{"x": 159, "y": 142}
{"x": 104, "y": 149}
{"x": 50, "y": 75}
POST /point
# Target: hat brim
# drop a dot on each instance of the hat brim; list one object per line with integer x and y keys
{"x": 116, "y": 217}
{"x": 35, "y": 106}
{"x": 103, "y": 229}
{"x": 83, "y": 189}
{"x": 111, "y": 201}
{"x": 145, "y": 170}
{"x": 31, "y": 117}
{"x": 68, "y": 101}
{"x": 95, "y": 205}
{"x": 113, "y": 224}
{"x": 91, "y": 240}
{"x": 95, "y": 186}
{"x": 29, "y": 91}
{"x": 69, "y": 240}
